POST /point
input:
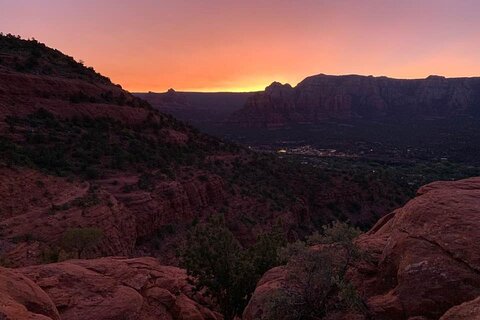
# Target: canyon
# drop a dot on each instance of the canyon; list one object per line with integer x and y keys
{"x": 79, "y": 152}
{"x": 379, "y": 118}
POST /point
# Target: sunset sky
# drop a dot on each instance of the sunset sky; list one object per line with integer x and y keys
{"x": 224, "y": 45}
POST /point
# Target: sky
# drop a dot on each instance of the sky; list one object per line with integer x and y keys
{"x": 244, "y": 45}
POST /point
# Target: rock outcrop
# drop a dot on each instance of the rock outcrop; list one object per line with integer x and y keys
{"x": 423, "y": 258}
{"x": 101, "y": 289}
{"x": 168, "y": 202}
{"x": 38, "y": 209}
{"x": 21, "y": 298}
{"x": 272, "y": 281}
{"x": 430, "y": 252}
{"x": 323, "y": 97}
{"x": 466, "y": 311}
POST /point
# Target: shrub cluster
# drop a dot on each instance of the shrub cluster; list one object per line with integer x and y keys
{"x": 316, "y": 283}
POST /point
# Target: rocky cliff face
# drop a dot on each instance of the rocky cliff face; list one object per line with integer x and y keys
{"x": 40, "y": 209}
{"x": 464, "y": 311}
{"x": 37, "y": 210}
{"x": 423, "y": 259}
{"x": 325, "y": 97}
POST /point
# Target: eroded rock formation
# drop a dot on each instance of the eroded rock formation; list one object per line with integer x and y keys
{"x": 322, "y": 97}
{"x": 423, "y": 258}
{"x": 101, "y": 289}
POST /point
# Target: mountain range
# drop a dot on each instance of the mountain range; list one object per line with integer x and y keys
{"x": 379, "y": 117}
{"x": 322, "y": 97}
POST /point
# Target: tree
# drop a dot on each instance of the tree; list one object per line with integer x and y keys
{"x": 222, "y": 269}
{"x": 315, "y": 280}
{"x": 309, "y": 281}
{"x": 81, "y": 239}
{"x": 341, "y": 234}
{"x": 212, "y": 256}
{"x": 264, "y": 253}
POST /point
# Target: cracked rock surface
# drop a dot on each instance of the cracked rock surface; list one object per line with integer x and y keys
{"x": 427, "y": 253}
{"x": 101, "y": 289}
{"x": 421, "y": 260}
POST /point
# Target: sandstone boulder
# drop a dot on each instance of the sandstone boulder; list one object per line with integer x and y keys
{"x": 21, "y": 298}
{"x": 115, "y": 288}
{"x": 423, "y": 258}
{"x": 466, "y": 311}
{"x": 430, "y": 259}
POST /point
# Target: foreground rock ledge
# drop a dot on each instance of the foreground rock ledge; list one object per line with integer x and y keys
{"x": 425, "y": 259}
{"x": 100, "y": 289}
{"x": 424, "y": 263}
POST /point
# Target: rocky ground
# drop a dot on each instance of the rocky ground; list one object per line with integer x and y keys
{"x": 423, "y": 264}
{"x": 105, "y": 288}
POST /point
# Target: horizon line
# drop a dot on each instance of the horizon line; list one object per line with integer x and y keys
{"x": 260, "y": 89}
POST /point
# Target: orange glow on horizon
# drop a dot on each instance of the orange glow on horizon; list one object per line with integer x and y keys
{"x": 219, "y": 45}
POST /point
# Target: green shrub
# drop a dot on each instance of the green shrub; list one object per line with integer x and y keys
{"x": 315, "y": 282}
{"x": 50, "y": 255}
{"x": 222, "y": 269}
{"x": 78, "y": 240}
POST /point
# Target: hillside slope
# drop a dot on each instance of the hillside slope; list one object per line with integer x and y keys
{"x": 77, "y": 151}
